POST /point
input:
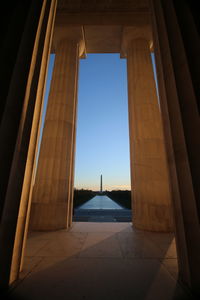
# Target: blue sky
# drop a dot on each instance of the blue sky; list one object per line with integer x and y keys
{"x": 102, "y": 126}
{"x": 102, "y": 142}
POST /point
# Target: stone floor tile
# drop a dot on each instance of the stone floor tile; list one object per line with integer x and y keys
{"x": 33, "y": 246}
{"x": 137, "y": 246}
{"x": 100, "y": 227}
{"x": 30, "y": 263}
{"x": 166, "y": 242}
{"x": 171, "y": 265}
{"x": 95, "y": 279}
{"x": 94, "y": 261}
{"x": 64, "y": 245}
{"x": 101, "y": 245}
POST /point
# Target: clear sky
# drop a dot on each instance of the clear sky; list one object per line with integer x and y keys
{"x": 102, "y": 145}
{"x": 102, "y": 142}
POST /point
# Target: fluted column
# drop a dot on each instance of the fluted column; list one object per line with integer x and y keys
{"x": 177, "y": 48}
{"x": 71, "y": 197}
{"x": 149, "y": 174}
{"x": 51, "y": 193}
{"x": 19, "y": 130}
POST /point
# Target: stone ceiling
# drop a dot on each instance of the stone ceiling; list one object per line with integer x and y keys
{"x": 103, "y": 22}
{"x": 102, "y": 5}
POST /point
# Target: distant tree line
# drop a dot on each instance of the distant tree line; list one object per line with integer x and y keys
{"x": 81, "y": 196}
{"x": 123, "y": 198}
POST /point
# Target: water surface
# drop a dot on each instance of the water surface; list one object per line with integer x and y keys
{"x": 100, "y": 202}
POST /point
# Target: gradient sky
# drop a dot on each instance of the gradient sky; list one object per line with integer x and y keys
{"x": 102, "y": 145}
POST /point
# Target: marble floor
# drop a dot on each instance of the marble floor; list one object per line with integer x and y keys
{"x": 101, "y": 261}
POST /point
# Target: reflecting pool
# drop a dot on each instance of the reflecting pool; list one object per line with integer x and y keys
{"x": 100, "y": 202}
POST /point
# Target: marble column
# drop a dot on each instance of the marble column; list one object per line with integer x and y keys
{"x": 52, "y": 189}
{"x": 71, "y": 197}
{"x": 177, "y": 46}
{"x": 149, "y": 173}
{"x": 19, "y": 129}
{"x": 25, "y": 203}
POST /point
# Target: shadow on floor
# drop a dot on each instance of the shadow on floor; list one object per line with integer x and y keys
{"x": 99, "y": 261}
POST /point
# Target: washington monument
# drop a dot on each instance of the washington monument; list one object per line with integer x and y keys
{"x": 101, "y": 185}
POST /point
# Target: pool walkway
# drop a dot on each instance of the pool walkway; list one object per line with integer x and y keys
{"x": 100, "y": 261}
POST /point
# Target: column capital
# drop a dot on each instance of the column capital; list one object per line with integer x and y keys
{"x": 131, "y": 33}
{"x": 70, "y": 33}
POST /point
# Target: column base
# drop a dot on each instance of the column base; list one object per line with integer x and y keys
{"x": 48, "y": 216}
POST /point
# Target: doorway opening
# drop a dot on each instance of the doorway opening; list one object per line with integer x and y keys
{"x": 102, "y": 190}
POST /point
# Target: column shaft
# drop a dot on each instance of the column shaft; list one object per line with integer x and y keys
{"x": 71, "y": 197}
{"x": 51, "y": 193}
{"x": 17, "y": 127}
{"x": 25, "y": 203}
{"x": 149, "y": 174}
{"x": 176, "y": 43}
